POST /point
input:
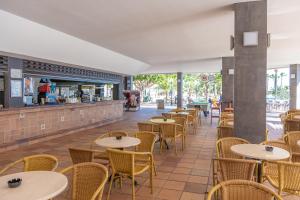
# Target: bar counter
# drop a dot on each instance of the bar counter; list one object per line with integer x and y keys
{"x": 21, "y": 126}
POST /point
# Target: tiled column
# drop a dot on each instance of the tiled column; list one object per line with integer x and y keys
{"x": 128, "y": 83}
{"x": 227, "y": 80}
{"x": 179, "y": 89}
{"x": 250, "y": 72}
{"x": 295, "y": 86}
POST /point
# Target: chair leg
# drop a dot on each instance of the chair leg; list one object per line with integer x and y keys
{"x": 151, "y": 179}
{"x": 133, "y": 188}
{"x": 110, "y": 185}
{"x": 154, "y": 168}
{"x": 182, "y": 142}
{"x": 161, "y": 145}
{"x": 175, "y": 146}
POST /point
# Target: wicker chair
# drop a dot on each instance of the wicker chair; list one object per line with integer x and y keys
{"x": 42, "y": 162}
{"x": 288, "y": 179}
{"x": 226, "y": 122}
{"x": 243, "y": 190}
{"x": 226, "y": 169}
{"x": 167, "y": 115}
{"x": 146, "y": 145}
{"x": 291, "y": 139}
{"x": 192, "y": 121}
{"x": 101, "y": 154}
{"x": 224, "y": 145}
{"x": 82, "y": 155}
{"x": 290, "y": 123}
{"x": 146, "y": 126}
{"x": 124, "y": 164}
{"x": 87, "y": 181}
{"x": 183, "y": 126}
{"x": 225, "y": 131}
{"x": 226, "y": 115}
{"x": 169, "y": 131}
{"x": 177, "y": 110}
{"x": 158, "y": 117}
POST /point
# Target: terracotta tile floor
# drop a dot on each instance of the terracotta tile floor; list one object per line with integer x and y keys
{"x": 182, "y": 177}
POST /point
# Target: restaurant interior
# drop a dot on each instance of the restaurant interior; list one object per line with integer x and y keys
{"x": 74, "y": 126}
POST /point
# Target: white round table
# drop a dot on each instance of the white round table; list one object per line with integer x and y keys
{"x": 258, "y": 152}
{"x": 36, "y": 185}
{"x": 181, "y": 113}
{"x": 112, "y": 142}
{"x": 162, "y": 121}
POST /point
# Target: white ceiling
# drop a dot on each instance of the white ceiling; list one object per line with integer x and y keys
{"x": 152, "y": 36}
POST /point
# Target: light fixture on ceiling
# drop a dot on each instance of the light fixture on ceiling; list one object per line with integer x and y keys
{"x": 250, "y": 38}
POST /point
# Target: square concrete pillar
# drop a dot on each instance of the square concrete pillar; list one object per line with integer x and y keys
{"x": 295, "y": 86}
{"x": 179, "y": 89}
{"x": 250, "y": 72}
{"x": 227, "y": 81}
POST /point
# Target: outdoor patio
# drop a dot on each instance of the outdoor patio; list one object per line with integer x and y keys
{"x": 185, "y": 176}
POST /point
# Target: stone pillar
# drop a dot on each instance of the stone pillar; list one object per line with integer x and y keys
{"x": 128, "y": 82}
{"x": 13, "y": 79}
{"x": 179, "y": 89}
{"x": 227, "y": 81}
{"x": 295, "y": 86}
{"x": 250, "y": 72}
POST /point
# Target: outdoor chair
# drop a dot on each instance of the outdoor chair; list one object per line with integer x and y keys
{"x": 226, "y": 115}
{"x": 243, "y": 190}
{"x": 224, "y": 144}
{"x": 41, "y": 162}
{"x": 146, "y": 126}
{"x": 288, "y": 179}
{"x": 167, "y": 115}
{"x": 146, "y": 145}
{"x": 225, "y": 131}
{"x": 86, "y": 181}
{"x": 227, "y": 169}
{"x": 269, "y": 169}
{"x": 291, "y": 139}
{"x": 192, "y": 122}
{"x": 123, "y": 163}
{"x": 170, "y": 131}
{"x": 183, "y": 126}
{"x": 82, "y": 155}
{"x": 158, "y": 117}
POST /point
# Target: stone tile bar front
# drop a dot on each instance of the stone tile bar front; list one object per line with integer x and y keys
{"x": 21, "y": 126}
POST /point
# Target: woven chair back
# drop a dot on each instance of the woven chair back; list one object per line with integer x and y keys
{"x": 40, "y": 163}
{"x": 236, "y": 168}
{"x": 147, "y": 141}
{"x": 80, "y": 155}
{"x": 121, "y": 161}
{"x": 86, "y": 181}
{"x": 291, "y": 139}
{"x": 289, "y": 177}
{"x": 168, "y": 130}
{"x": 224, "y": 147}
{"x": 225, "y": 131}
{"x": 246, "y": 190}
{"x": 145, "y": 126}
{"x": 167, "y": 115}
